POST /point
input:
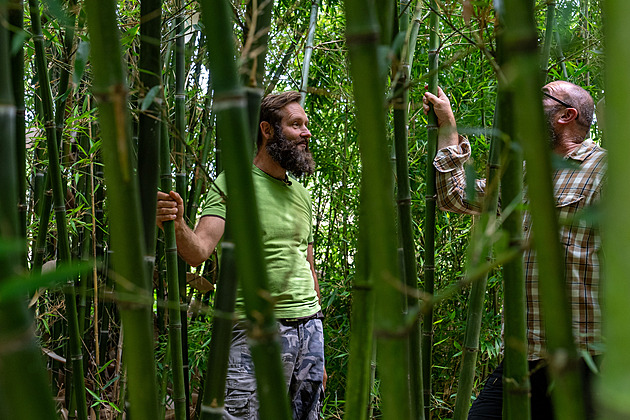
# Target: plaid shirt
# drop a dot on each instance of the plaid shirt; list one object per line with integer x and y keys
{"x": 575, "y": 189}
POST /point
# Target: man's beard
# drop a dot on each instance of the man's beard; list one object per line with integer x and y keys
{"x": 551, "y": 133}
{"x": 289, "y": 155}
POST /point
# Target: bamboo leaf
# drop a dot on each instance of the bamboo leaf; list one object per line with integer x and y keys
{"x": 81, "y": 58}
{"x": 148, "y": 99}
{"x": 21, "y": 286}
{"x": 19, "y": 38}
{"x": 57, "y": 12}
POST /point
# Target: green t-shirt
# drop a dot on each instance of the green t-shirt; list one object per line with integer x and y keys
{"x": 287, "y": 228}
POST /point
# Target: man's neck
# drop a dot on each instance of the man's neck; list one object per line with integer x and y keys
{"x": 568, "y": 145}
{"x": 265, "y": 163}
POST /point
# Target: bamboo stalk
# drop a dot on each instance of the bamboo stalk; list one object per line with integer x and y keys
{"x": 520, "y": 41}
{"x": 516, "y": 385}
{"x": 308, "y": 49}
{"x": 259, "y": 14}
{"x": 405, "y": 224}
{"x": 615, "y": 378}
{"x": 230, "y": 104}
{"x": 64, "y": 77}
{"x": 205, "y": 136}
{"x": 362, "y": 346}
{"x": 133, "y": 285}
{"x": 502, "y": 130}
{"x": 429, "y": 218}
{"x": 149, "y": 123}
{"x": 16, "y": 20}
{"x": 181, "y": 182}
{"x": 225, "y": 299}
{"x": 477, "y": 293}
{"x": 59, "y": 195}
{"x": 549, "y": 34}
{"x": 560, "y": 55}
{"x": 172, "y": 274}
{"x": 19, "y": 346}
{"x": 362, "y": 35}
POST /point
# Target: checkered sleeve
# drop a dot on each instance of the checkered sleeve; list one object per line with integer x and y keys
{"x": 451, "y": 180}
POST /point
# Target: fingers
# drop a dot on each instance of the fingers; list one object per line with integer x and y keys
{"x": 169, "y": 207}
{"x": 427, "y": 100}
{"x": 175, "y": 196}
{"x": 430, "y": 99}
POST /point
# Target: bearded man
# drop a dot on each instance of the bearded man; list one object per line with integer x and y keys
{"x": 569, "y": 112}
{"x": 284, "y": 209}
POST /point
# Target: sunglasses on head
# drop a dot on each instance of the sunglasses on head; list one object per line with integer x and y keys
{"x": 561, "y": 102}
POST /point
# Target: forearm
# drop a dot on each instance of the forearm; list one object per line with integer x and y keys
{"x": 447, "y": 135}
{"x": 190, "y": 247}
{"x": 451, "y": 182}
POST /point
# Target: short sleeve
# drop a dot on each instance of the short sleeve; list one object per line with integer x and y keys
{"x": 214, "y": 204}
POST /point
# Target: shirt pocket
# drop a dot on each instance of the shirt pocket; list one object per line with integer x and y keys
{"x": 568, "y": 204}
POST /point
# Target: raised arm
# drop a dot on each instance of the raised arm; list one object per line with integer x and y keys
{"x": 453, "y": 151}
{"x": 447, "y": 132}
{"x": 193, "y": 246}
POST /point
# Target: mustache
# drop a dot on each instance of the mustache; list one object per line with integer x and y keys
{"x": 289, "y": 156}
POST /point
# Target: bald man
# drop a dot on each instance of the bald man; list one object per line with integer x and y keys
{"x": 569, "y": 113}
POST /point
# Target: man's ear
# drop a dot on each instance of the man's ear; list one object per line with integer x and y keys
{"x": 266, "y": 129}
{"x": 570, "y": 114}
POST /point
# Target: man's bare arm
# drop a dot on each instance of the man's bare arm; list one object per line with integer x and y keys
{"x": 193, "y": 246}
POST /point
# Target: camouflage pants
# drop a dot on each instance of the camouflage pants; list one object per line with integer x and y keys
{"x": 302, "y": 347}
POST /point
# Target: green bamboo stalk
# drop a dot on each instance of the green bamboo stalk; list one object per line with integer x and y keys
{"x": 405, "y": 224}
{"x": 615, "y": 378}
{"x": 133, "y": 285}
{"x": 502, "y": 129}
{"x": 362, "y": 34}
{"x": 520, "y": 41}
{"x": 16, "y": 20}
{"x": 516, "y": 385}
{"x": 478, "y": 289}
{"x": 64, "y": 76}
{"x": 85, "y": 239}
{"x": 181, "y": 180}
{"x": 44, "y": 208}
{"x": 59, "y": 195}
{"x": 172, "y": 274}
{"x": 230, "y": 104}
{"x": 150, "y": 137}
{"x": 22, "y": 374}
{"x": 225, "y": 299}
{"x": 149, "y": 123}
{"x": 308, "y": 49}
{"x": 549, "y": 33}
{"x": 259, "y": 13}
{"x": 429, "y": 218}
{"x": 516, "y": 374}
{"x": 205, "y": 136}
{"x": 362, "y": 347}
{"x": 560, "y": 55}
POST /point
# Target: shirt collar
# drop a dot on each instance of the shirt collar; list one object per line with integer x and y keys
{"x": 583, "y": 151}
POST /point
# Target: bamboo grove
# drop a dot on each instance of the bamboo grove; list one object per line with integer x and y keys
{"x": 104, "y": 102}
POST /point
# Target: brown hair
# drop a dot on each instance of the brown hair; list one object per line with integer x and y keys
{"x": 271, "y": 107}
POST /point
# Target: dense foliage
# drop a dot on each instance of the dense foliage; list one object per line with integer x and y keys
{"x": 468, "y": 74}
